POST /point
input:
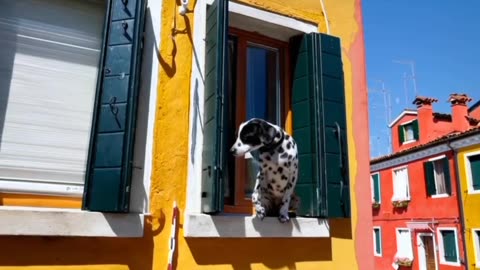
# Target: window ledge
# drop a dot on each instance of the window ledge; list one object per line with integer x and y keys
{"x": 238, "y": 226}
{"x": 440, "y": 196}
{"x": 68, "y": 222}
{"x": 408, "y": 142}
{"x": 474, "y": 191}
{"x": 450, "y": 263}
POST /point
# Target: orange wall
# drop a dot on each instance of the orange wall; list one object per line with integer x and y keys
{"x": 350, "y": 246}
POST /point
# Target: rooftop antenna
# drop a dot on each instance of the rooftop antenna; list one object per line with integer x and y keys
{"x": 412, "y": 76}
{"x": 386, "y": 100}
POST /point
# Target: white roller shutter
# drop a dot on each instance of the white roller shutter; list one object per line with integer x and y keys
{"x": 49, "y": 55}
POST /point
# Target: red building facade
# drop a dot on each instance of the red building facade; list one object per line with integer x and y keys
{"x": 416, "y": 212}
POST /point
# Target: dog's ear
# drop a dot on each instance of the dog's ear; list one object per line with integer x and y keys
{"x": 268, "y": 132}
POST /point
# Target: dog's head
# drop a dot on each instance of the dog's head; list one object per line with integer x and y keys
{"x": 252, "y": 135}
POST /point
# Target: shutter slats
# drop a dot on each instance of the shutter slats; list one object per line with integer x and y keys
{"x": 319, "y": 126}
{"x": 213, "y": 156}
{"x": 446, "y": 172}
{"x": 111, "y": 151}
{"x": 475, "y": 171}
{"x": 449, "y": 246}
{"x": 401, "y": 135}
{"x": 376, "y": 187}
{"x": 416, "y": 133}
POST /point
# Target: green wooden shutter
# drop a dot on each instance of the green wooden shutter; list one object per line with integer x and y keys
{"x": 319, "y": 126}
{"x": 401, "y": 134}
{"x": 428, "y": 168}
{"x": 416, "y": 133}
{"x": 449, "y": 246}
{"x": 376, "y": 187}
{"x": 214, "y": 148}
{"x": 378, "y": 241}
{"x": 109, "y": 169}
{"x": 446, "y": 172}
{"x": 475, "y": 170}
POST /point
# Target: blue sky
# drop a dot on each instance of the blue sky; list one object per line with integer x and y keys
{"x": 443, "y": 40}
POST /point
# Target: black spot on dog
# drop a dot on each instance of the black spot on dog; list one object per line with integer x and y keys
{"x": 293, "y": 179}
{"x": 287, "y": 137}
{"x": 289, "y": 164}
{"x": 278, "y": 135}
{"x": 280, "y": 150}
{"x": 264, "y": 165}
{"x": 278, "y": 186}
{"x": 270, "y": 186}
{"x": 274, "y": 172}
{"x": 269, "y": 168}
{"x": 289, "y": 145}
{"x": 284, "y": 178}
{"x": 280, "y": 169}
{"x": 290, "y": 157}
{"x": 273, "y": 181}
{"x": 268, "y": 158}
{"x": 284, "y": 155}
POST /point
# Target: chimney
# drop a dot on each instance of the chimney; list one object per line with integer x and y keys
{"x": 460, "y": 121}
{"x": 425, "y": 117}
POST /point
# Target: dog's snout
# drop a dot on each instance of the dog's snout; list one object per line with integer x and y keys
{"x": 233, "y": 150}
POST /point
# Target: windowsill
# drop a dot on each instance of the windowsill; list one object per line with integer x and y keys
{"x": 68, "y": 222}
{"x": 450, "y": 263}
{"x": 408, "y": 142}
{"x": 440, "y": 196}
{"x": 474, "y": 192}
{"x": 377, "y": 255}
{"x": 239, "y": 226}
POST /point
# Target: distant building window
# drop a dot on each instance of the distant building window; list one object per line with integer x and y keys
{"x": 473, "y": 165}
{"x": 437, "y": 177}
{"x": 377, "y": 241}
{"x": 476, "y": 244}
{"x": 448, "y": 246}
{"x": 408, "y": 132}
{"x": 376, "y": 192}
{"x": 401, "y": 189}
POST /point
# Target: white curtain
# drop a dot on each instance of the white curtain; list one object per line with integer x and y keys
{"x": 49, "y": 54}
{"x": 400, "y": 185}
{"x": 439, "y": 177}
{"x": 404, "y": 246}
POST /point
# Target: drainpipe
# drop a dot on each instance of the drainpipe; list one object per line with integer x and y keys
{"x": 460, "y": 203}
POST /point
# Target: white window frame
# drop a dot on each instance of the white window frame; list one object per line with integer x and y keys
{"x": 442, "y": 195}
{"x": 476, "y": 245}
{"x": 404, "y": 124}
{"x": 441, "y": 248}
{"x": 375, "y": 242}
{"x": 397, "y": 233}
{"x": 196, "y": 223}
{"x": 76, "y": 222}
{"x": 435, "y": 248}
{"x": 468, "y": 170}
{"x": 379, "y": 187}
{"x": 409, "y": 197}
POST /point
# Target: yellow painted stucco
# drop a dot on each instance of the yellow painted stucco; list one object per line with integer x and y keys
{"x": 471, "y": 204}
{"x": 169, "y": 176}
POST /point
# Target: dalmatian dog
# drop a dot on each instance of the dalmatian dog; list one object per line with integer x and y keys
{"x": 273, "y": 194}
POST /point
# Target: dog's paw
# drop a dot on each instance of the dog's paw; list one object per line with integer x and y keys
{"x": 284, "y": 218}
{"x": 261, "y": 215}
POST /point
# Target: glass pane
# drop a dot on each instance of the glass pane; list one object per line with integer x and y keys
{"x": 408, "y": 133}
{"x": 439, "y": 177}
{"x": 262, "y": 99}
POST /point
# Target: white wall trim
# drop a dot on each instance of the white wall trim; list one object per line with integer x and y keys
{"x": 441, "y": 247}
{"x": 68, "y": 222}
{"x": 437, "y": 157}
{"x": 237, "y": 226}
{"x": 405, "y": 112}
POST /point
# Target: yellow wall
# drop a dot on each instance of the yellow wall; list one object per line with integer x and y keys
{"x": 471, "y": 204}
{"x": 348, "y": 248}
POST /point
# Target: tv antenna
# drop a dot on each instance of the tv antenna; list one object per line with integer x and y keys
{"x": 412, "y": 76}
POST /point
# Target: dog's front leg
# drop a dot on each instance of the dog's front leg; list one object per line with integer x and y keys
{"x": 287, "y": 196}
{"x": 257, "y": 197}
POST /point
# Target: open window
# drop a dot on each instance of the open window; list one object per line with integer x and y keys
{"x": 250, "y": 75}
{"x": 408, "y": 132}
{"x": 437, "y": 177}
{"x": 69, "y": 74}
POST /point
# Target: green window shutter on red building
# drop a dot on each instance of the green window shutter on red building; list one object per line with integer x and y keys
{"x": 430, "y": 178}
{"x": 319, "y": 126}
{"x": 214, "y": 149}
{"x": 401, "y": 135}
{"x": 109, "y": 167}
{"x": 449, "y": 246}
{"x": 415, "y": 129}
